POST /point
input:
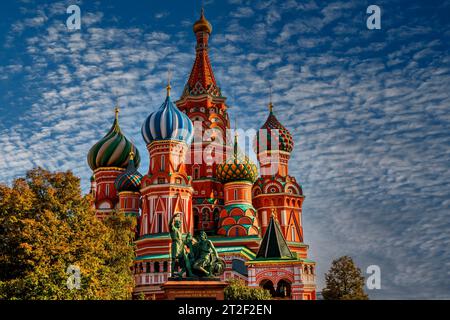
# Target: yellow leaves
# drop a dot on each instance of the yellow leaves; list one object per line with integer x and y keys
{"x": 46, "y": 226}
{"x": 26, "y": 247}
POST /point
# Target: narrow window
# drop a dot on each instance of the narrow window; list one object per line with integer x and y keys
{"x": 163, "y": 164}
{"x": 159, "y": 222}
{"x": 235, "y": 194}
{"x": 196, "y": 173}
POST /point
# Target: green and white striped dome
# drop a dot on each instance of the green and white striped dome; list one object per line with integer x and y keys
{"x": 113, "y": 150}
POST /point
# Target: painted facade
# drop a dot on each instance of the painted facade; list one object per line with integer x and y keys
{"x": 254, "y": 219}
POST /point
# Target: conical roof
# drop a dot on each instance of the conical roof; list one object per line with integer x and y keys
{"x": 273, "y": 245}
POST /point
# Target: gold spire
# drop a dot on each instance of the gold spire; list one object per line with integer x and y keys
{"x": 236, "y": 135}
{"x": 202, "y": 24}
{"x": 116, "y": 126}
{"x": 270, "y": 101}
{"x": 116, "y": 110}
{"x": 168, "y": 87}
{"x": 131, "y": 155}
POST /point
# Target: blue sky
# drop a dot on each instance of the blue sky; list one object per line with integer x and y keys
{"x": 369, "y": 109}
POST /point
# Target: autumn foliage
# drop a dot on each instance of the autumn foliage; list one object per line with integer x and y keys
{"x": 238, "y": 290}
{"x": 47, "y": 225}
{"x": 344, "y": 281}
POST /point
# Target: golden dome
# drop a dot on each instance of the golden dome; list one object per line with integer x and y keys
{"x": 238, "y": 168}
{"x": 202, "y": 24}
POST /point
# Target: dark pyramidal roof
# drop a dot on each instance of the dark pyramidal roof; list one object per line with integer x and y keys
{"x": 273, "y": 245}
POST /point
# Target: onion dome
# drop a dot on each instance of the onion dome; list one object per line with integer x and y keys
{"x": 202, "y": 25}
{"x": 283, "y": 137}
{"x": 168, "y": 123}
{"x": 130, "y": 180}
{"x": 113, "y": 149}
{"x": 238, "y": 168}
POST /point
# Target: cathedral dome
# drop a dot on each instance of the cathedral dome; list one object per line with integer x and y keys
{"x": 202, "y": 25}
{"x": 112, "y": 150}
{"x": 130, "y": 180}
{"x": 238, "y": 168}
{"x": 168, "y": 123}
{"x": 283, "y": 138}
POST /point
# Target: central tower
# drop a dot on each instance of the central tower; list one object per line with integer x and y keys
{"x": 203, "y": 103}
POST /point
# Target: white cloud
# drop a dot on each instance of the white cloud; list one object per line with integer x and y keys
{"x": 370, "y": 120}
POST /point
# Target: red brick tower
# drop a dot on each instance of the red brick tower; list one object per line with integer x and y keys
{"x": 276, "y": 189}
{"x": 127, "y": 185}
{"x": 108, "y": 158}
{"x": 165, "y": 190}
{"x": 238, "y": 217}
{"x": 204, "y": 104}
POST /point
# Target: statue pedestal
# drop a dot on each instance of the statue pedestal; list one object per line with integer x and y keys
{"x": 210, "y": 289}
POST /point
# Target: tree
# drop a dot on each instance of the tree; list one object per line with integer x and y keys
{"x": 237, "y": 290}
{"x": 48, "y": 226}
{"x": 344, "y": 281}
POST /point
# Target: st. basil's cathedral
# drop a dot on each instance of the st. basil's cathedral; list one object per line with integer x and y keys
{"x": 254, "y": 221}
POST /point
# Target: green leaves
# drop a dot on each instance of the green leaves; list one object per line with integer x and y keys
{"x": 237, "y": 290}
{"x": 47, "y": 225}
{"x": 344, "y": 281}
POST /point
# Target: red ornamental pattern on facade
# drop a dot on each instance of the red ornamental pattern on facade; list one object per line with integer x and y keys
{"x": 211, "y": 184}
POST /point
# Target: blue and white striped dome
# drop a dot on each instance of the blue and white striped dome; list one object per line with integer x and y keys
{"x": 168, "y": 123}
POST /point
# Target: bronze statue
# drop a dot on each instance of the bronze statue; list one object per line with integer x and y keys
{"x": 178, "y": 251}
{"x": 196, "y": 258}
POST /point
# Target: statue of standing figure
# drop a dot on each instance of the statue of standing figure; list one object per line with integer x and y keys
{"x": 196, "y": 258}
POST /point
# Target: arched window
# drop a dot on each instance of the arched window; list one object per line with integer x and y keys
{"x": 156, "y": 267}
{"x": 165, "y": 266}
{"x": 205, "y": 214}
{"x": 268, "y": 285}
{"x": 196, "y": 173}
{"x": 147, "y": 267}
{"x": 107, "y": 190}
{"x": 235, "y": 194}
{"x": 283, "y": 289}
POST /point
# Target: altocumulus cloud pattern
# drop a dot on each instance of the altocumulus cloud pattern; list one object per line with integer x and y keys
{"x": 369, "y": 109}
